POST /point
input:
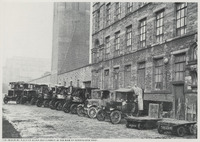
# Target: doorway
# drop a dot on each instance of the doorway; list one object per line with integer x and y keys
{"x": 179, "y": 101}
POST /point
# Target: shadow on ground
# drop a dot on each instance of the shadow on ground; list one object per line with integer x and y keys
{"x": 8, "y": 131}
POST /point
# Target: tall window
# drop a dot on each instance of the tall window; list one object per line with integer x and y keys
{"x": 98, "y": 19}
{"x": 179, "y": 67}
{"x": 116, "y": 78}
{"x": 141, "y": 75}
{"x": 143, "y": 33}
{"x": 129, "y": 7}
{"x": 129, "y": 37}
{"x": 118, "y": 10}
{"x": 107, "y": 47}
{"x": 181, "y": 18}
{"x": 108, "y": 14}
{"x": 127, "y": 75}
{"x": 117, "y": 43}
{"x": 159, "y": 26}
{"x": 106, "y": 79}
{"x": 158, "y": 74}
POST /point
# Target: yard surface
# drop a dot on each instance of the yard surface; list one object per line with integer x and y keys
{"x": 33, "y": 122}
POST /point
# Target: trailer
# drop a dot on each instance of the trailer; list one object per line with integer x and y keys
{"x": 176, "y": 127}
{"x": 143, "y": 122}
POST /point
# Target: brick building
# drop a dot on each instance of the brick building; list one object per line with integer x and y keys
{"x": 153, "y": 45}
{"x": 70, "y": 51}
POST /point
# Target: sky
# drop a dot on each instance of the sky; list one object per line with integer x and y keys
{"x": 26, "y": 29}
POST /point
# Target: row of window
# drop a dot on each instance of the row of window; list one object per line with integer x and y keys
{"x": 181, "y": 28}
{"x": 179, "y": 72}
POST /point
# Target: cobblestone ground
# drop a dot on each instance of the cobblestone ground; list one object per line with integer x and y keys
{"x": 34, "y": 122}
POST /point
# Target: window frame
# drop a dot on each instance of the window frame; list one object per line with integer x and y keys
{"x": 143, "y": 24}
{"x": 107, "y": 49}
{"x": 117, "y": 43}
{"x": 159, "y": 74}
{"x": 178, "y": 20}
{"x": 129, "y": 7}
{"x": 108, "y": 14}
{"x": 160, "y": 35}
{"x": 117, "y": 10}
{"x": 98, "y": 19}
{"x": 178, "y": 63}
{"x": 129, "y": 37}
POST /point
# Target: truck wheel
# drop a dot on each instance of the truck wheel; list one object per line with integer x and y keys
{"x": 32, "y": 101}
{"x": 140, "y": 126}
{"x": 80, "y": 111}
{"x": 66, "y": 108}
{"x": 52, "y": 104}
{"x": 115, "y": 117}
{"x": 92, "y": 112}
{"x": 5, "y": 100}
{"x": 73, "y": 108}
{"x": 39, "y": 103}
{"x": 59, "y": 107}
{"x": 46, "y": 103}
{"x": 160, "y": 131}
{"x": 101, "y": 115}
{"x": 191, "y": 129}
{"x": 181, "y": 131}
{"x": 56, "y": 105}
{"x": 22, "y": 100}
{"x": 18, "y": 100}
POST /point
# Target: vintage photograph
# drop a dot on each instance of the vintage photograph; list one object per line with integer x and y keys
{"x": 99, "y": 70}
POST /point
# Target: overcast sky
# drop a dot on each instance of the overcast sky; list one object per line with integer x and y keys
{"x": 27, "y": 29}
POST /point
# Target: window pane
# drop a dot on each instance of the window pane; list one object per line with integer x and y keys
{"x": 182, "y": 31}
{"x": 181, "y": 76}
{"x": 157, "y": 32}
{"x": 157, "y": 23}
{"x": 178, "y": 23}
{"x": 178, "y": 15}
{"x": 182, "y": 22}
{"x": 161, "y": 38}
{"x": 178, "y": 6}
{"x": 179, "y": 32}
{"x": 182, "y": 13}
{"x": 161, "y": 30}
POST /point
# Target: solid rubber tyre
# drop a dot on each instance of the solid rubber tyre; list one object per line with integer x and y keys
{"x": 59, "y": 106}
{"x": 181, "y": 131}
{"x": 46, "y": 103}
{"x": 66, "y": 108}
{"x": 160, "y": 131}
{"x": 32, "y": 101}
{"x": 73, "y": 109}
{"x": 18, "y": 100}
{"x": 5, "y": 100}
{"x": 39, "y": 103}
{"x": 80, "y": 111}
{"x": 92, "y": 112}
{"x": 115, "y": 117}
{"x": 101, "y": 115}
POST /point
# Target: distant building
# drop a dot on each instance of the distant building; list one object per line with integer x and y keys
{"x": 24, "y": 69}
{"x": 70, "y": 51}
{"x": 153, "y": 45}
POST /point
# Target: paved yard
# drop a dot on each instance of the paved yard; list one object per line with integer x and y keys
{"x": 33, "y": 122}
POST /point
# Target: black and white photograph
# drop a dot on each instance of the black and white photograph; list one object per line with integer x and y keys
{"x": 93, "y": 70}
